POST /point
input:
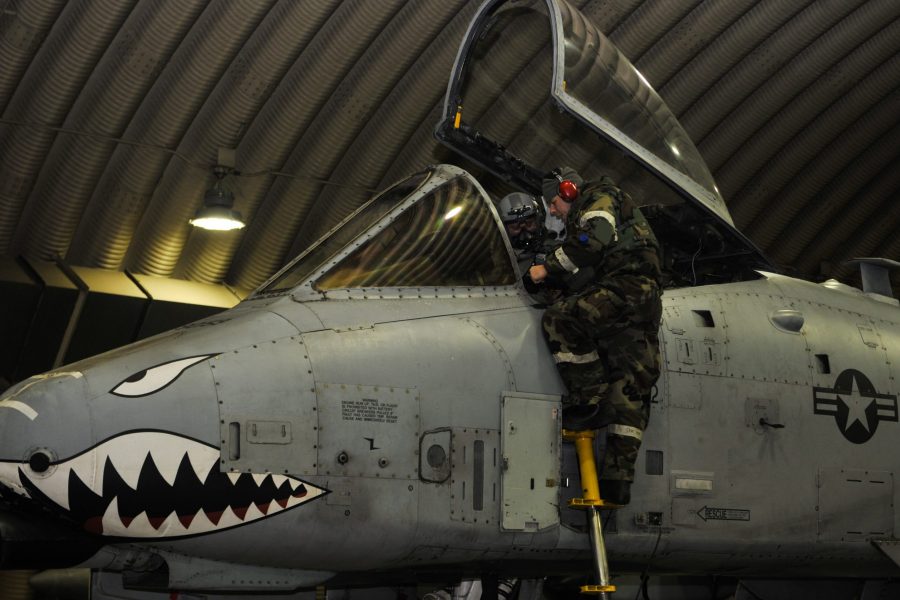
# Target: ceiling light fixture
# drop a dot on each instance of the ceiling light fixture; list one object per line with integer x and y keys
{"x": 217, "y": 212}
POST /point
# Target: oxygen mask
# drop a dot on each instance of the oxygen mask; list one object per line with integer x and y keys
{"x": 525, "y": 234}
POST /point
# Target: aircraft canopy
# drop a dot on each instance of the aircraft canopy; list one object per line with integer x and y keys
{"x": 434, "y": 229}
{"x": 536, "y": 85}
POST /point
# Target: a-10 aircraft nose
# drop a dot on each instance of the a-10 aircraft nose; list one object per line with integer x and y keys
{"x": 129, "y": 444}
{"x": 88, "y": 441}
{"x": 42, "y": 419}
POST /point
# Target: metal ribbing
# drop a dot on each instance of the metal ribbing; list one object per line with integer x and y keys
{"x": 826, "y": 69}
{"x": 163, "y": 229}
{"x": 756, "y": 68}
{"x": 890, "y": 242}
{"x": 689, "y": 37}
{"x": 53, "y": 79}
{"x": 875, "y": 238}
{"x": 606, "y": 15}
{"x": 849, "y": 206}
{"x": 398, "y": 111}
{"x": 109, "y": 98}
{"x": 860, "y": 214}
{"x": 23, "y": 26}
{"x": 847, "y": 202}
{"x": 706, "y": 70}
{"x": 647, "y": 24}
{"x": 842, "y": 129}
{"x": 419, "y": 149}
{"x": 261, "y": 65}
{"x": 278, "y": 130}
{"x": 847, "y": 125}
{"x": 124, "y": 190}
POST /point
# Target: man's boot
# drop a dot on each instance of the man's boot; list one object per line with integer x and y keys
{"x": 615, "y": 491}
{"x": 579, "y": 417}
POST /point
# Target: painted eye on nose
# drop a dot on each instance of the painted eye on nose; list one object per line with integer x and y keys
{"x": 156, "y": 378}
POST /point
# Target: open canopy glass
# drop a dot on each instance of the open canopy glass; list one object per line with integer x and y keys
{"x": 536, "y": 86}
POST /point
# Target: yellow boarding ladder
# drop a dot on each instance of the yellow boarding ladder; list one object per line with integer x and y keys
{"x": 592, "y": 503}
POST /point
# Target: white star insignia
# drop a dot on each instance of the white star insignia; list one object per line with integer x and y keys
{"x": 857, "y": 405}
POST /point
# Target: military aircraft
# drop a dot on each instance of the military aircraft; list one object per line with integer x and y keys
{"x": 384, "y": 410}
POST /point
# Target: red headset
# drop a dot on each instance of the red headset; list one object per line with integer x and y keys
{"x": 567, "y": 189}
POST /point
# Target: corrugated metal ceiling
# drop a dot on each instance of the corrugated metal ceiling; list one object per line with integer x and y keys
{"x": 113, "y": 112}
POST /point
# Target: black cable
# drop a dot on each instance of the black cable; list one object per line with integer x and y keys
{"x": 103, "y": 138}
{"x": 160, "y": 148}
{"x": 321, "y": 180}
{"x": 644, "y": 578}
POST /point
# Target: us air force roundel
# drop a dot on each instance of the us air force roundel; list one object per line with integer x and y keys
{"x": 856, "y": 406}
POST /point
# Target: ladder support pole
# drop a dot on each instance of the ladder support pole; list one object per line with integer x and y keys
{"x": 591, "y": 501}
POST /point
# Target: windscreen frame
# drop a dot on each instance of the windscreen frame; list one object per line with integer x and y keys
{"x": 440, "y": 175}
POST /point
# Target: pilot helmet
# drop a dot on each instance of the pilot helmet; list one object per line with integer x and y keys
{"x": 517, "y": 206}
{"x": 521, "y": 216}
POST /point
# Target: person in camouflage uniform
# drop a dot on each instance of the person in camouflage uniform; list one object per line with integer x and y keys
{"x": 603, "y": 332}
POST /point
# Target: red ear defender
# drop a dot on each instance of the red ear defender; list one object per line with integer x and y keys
{"x": 568, "y": 190}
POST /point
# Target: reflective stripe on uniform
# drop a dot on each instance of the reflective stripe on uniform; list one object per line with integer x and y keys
{"x": 564, "y": 261}
{"x": 578, "y": 359}
{"x": 625, "y": 431}
{"x": 602, "y": 214}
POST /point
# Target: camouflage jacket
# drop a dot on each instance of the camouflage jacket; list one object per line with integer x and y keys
{"x": 607, "y": 237}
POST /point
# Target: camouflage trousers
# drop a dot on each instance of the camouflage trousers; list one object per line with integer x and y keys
{"x": 606, "y": 346}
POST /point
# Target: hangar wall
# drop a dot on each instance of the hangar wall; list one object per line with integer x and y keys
{"x": 55, "y": 314}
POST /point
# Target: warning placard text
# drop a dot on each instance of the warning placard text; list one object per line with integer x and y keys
{"x": 370, "y": 410}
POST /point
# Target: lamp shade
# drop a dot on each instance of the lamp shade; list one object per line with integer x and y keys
{"x": 216, "y": 212}
{"x": 218, "y": 218}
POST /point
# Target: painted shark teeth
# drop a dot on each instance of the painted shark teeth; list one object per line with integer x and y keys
{"x": 128, "y": 459}
{"x": 154, "y": 484}
{"x": 113, "y": 524}
{"x": 9, "y": 476}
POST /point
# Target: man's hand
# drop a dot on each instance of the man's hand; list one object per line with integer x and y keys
{"x": 538, "y": 273}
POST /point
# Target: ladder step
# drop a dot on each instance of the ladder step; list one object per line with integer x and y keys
{"x": 598, "y": 589}
{"x": 585, "y": 503}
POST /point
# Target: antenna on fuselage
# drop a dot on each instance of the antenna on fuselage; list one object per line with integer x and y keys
{"x": 876, "y": 274}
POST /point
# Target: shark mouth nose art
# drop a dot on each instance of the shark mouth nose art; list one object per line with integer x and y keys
{"x": 153, "y": 484}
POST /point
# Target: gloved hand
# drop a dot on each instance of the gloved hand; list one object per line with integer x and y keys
{"x": 530, "y": 286}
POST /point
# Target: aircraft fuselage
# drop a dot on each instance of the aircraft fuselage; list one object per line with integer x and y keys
{"x": 422, "y": 433}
